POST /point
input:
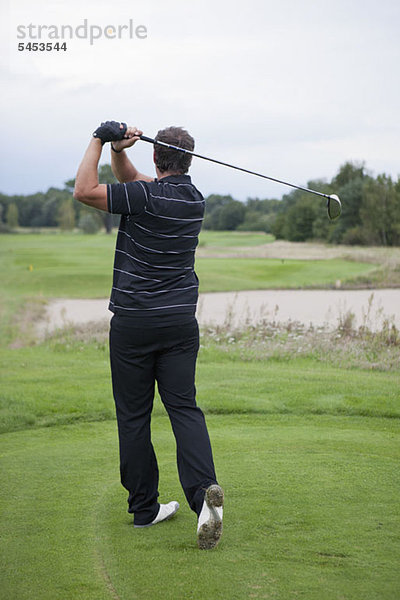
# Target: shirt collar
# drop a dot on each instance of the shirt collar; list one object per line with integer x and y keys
{"x": 175, "y": 179}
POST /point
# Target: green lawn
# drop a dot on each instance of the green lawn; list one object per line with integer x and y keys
{"x": 57, "y": 265}
{"x": 42, "y": 386}
{"x": 311, "y": 512}
{"x": 230, "y": 239}
{"x": 307, "y": 452}
{"x": 81, "y": 266}
{"x": 234, "y": 274}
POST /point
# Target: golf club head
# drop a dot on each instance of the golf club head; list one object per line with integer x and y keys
{"x": 334, "y": 207}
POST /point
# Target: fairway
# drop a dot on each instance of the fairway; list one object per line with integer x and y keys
{"x": 226, "y": 240}
{"x": 224, "y": 275}
{"x": 79, "y": 266}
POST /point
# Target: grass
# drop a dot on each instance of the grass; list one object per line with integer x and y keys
{"x": 287, "y": 533}
{"x": 57, "y": 265}
{"x": 307, "y": 453}
{"x": 44, "y": 386}
{"x": 35, "y": 267}
{"x": 225, "y": 274}
{"x": 305, "y": 429}
{"x": 365, "y": 347}
{"x": 311, "y": 513}
{"x": 226, "y": 240}
{"x": 74, "y": 266}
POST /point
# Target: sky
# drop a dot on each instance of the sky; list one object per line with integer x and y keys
{"x": 291, "y": 89}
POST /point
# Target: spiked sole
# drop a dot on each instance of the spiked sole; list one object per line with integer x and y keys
{"x": 210, "y": 532}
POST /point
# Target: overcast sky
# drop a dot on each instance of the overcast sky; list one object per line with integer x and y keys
{"x": 292, "y": 88}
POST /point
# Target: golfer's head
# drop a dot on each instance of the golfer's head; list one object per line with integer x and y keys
{"x": 171, "y": 161}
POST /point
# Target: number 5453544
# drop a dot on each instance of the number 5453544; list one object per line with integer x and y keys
{"x": 42, "y": 46}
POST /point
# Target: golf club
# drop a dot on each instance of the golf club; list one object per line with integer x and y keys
{"x": 334, "y": 205}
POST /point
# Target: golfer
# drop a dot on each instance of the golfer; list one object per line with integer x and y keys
{"x": 154, "y": 334}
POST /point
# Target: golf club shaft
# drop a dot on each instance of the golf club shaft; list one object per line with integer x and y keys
{"x": 225, "y": 164}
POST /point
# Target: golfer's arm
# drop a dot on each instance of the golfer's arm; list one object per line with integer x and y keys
{"x": 87, "y": 187}
{"x": 124, "y": 170}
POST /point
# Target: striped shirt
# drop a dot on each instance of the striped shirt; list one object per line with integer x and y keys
{"x": 154, "y": 278}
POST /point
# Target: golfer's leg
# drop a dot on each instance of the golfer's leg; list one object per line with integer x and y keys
{"x": 175, "y": 374}
{"x": 132, "y": 368}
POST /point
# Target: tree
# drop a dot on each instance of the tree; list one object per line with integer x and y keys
{"x": 256, "y": 221}
{"x": 371, "y": 210}
{"x": 380, "y": 212}
{"x": 29, "y": 207}
{"x": 214, "y": 205}
{"x": 89, "y": 223}
{"x": 223, "y": 212}
{"x": 49, "y": 216}
{"x": 260, "y": 214}
{"x": 299, "y": 220}
{"x": 12, "y": 215}
{"x": 69, "y": 185}
{"x": 3, "y": 226}
{"x": 396, "y": 214}
{"x": 351, "y": 196}
{"x": 105, "y": 176}
{"x": 66, "y": 215}
{"x": 231, "y": 215}
{"x": 264, "y": 207}
{"x": 211, "y": 218}
{"x": 348, "y": 172}
{"x": 278, "y": 226}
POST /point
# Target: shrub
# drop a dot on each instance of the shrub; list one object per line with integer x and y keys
{"x": 355, "y": 236}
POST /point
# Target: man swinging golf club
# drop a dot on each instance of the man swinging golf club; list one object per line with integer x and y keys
{"x": 154, "y": 333}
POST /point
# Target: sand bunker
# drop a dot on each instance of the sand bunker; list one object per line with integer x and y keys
{"x": 316, "y": 307}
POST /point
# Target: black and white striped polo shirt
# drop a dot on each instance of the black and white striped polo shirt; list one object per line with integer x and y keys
{"x": 154, "y": 273}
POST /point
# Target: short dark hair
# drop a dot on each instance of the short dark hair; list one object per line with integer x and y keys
{"x": 172, "y": 160}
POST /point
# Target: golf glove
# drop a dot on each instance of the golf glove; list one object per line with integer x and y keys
{"x": 110, "y": 132}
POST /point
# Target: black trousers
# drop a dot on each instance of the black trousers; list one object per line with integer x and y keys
{"x": 141, "y": 356}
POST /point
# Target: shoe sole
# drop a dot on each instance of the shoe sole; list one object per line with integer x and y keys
{"x": 210, "y": 532}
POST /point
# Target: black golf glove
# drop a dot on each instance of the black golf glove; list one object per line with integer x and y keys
{"x": 110, "y": 131}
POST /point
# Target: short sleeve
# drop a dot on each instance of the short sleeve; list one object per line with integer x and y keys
{"x": 126, "y": 198}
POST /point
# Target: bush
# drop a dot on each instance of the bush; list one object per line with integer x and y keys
{"x": 256, "y": 221}
{"x": 355, "y": 236}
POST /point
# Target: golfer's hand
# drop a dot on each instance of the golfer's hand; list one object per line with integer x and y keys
{"x": 110, "y": 131}
{"x": 132, "y": 135}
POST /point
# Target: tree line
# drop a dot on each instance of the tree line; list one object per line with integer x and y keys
{"x": 371, "y": 210}
{"x": 56, "y": 208}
